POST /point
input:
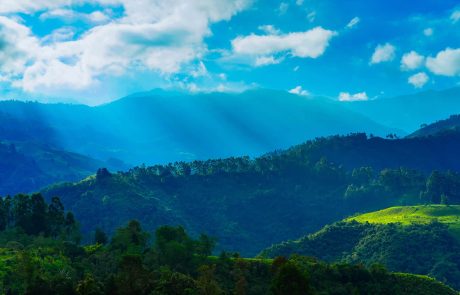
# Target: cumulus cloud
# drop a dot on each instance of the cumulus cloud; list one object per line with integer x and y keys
{"x": 419, "y": 80}
{"x": 155, "y": 35}
{"x": 411, "y": 61}
{"x": 28, "y": 6}
{"x": 383, "y": 53}
{"x": 269, "y": 29}
{"x": 353, "y": 23}
{"x": 445, "y": 63}
{"x": 299, "y": 91}
{"x": 346, "y": 96}
{"x": 309, "y": 44}
{"x": 68, "y": 15}
{"x": 17, "y": 47}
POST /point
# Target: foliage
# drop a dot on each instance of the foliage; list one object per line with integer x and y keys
{"x": 420, "y": 239}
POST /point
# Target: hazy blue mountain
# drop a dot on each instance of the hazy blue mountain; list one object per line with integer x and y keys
{"x": 30, "y": 166}
{"x": 411, "y": 111}
{"x": 159, "y": 126}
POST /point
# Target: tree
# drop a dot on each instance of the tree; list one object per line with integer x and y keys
{"x": 56, "y": 217}
{"x": 175, "y": 248}
{"x": 100, "y": 237}
{"x": 38, "y": 215}
{"x": 206, "y": 283}
{"x": 290, "y": 280}
{"x": 130, "y": 239}
{"x": 90, "y": 286}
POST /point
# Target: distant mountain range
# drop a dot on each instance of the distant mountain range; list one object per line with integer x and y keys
{"x": 161, "y": 127}
{"x": 409, "y": 112}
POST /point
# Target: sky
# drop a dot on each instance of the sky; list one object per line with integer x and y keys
{"x": 95, "y": 51}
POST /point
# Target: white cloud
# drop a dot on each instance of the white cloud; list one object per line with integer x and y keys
{"x": 445, "y": 63}
{"x": 283, "y": 8}
{"x": 18, "y": 47}
{"x": 199, "y": 71}
{"x": 299, "y": 2}
{"x": 354, "y": 22}
{"x": 157, "y": 35}
{"x": 418, "y": 80}
{"x": 412, "y": 61}
{"x": 299, "y": 91}
{"x": 69, "y": 15}
{"x": 29, "y": 6}
{"x": 428, "y": 32}
{"x": 455, "y": 16}
{"x": 309, "y": 44}
{"x": 267, "y": 60}
{"x": 269, "y": 29}
{"x": 383, "y": 53}
{"x": 345, "y": 96}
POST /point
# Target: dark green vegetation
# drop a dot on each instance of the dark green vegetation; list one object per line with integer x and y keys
{"x": 420, "y": 239}
{"x": 47, "y": 259}
{"x": 250, "y": 204}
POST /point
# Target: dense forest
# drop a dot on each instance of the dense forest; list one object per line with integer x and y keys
{"x": 46, "y": 257}
{"x": 250, "y": 204}
{"x": 422, "y": 249}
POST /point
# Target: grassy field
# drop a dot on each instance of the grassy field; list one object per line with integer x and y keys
{"x": 407, "y": 215}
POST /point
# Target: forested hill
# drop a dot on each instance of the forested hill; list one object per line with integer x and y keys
{"x": 46, "y": 257}
{"x": 451, "y": 125}
{"x": 357, "y": 150}
{"x": 416, "y": 239}
{"x": 250, "y": 204}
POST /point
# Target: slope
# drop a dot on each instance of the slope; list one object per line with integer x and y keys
{"x": 415, "y": 239}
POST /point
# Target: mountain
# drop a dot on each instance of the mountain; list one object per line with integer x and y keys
{"x": 28, "y": 166}
{"x": 161, "y": 127}
{"x": 251, "y": 203}
{"x": 409, "y": 112}
{"x": 415, "y": 239}
{"x": 451, "y": 125}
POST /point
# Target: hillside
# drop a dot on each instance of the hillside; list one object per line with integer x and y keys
{"x": 416, "y": 239}
{"x": 451, "y": 125}
{"x": 249, "y": 204}
{"x": 408, "y": 215}
{"x": 27, "y": 166}
{"x": 46, "y": 257}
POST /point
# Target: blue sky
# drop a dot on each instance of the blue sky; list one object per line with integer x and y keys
{"x": 94, "y": 51}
